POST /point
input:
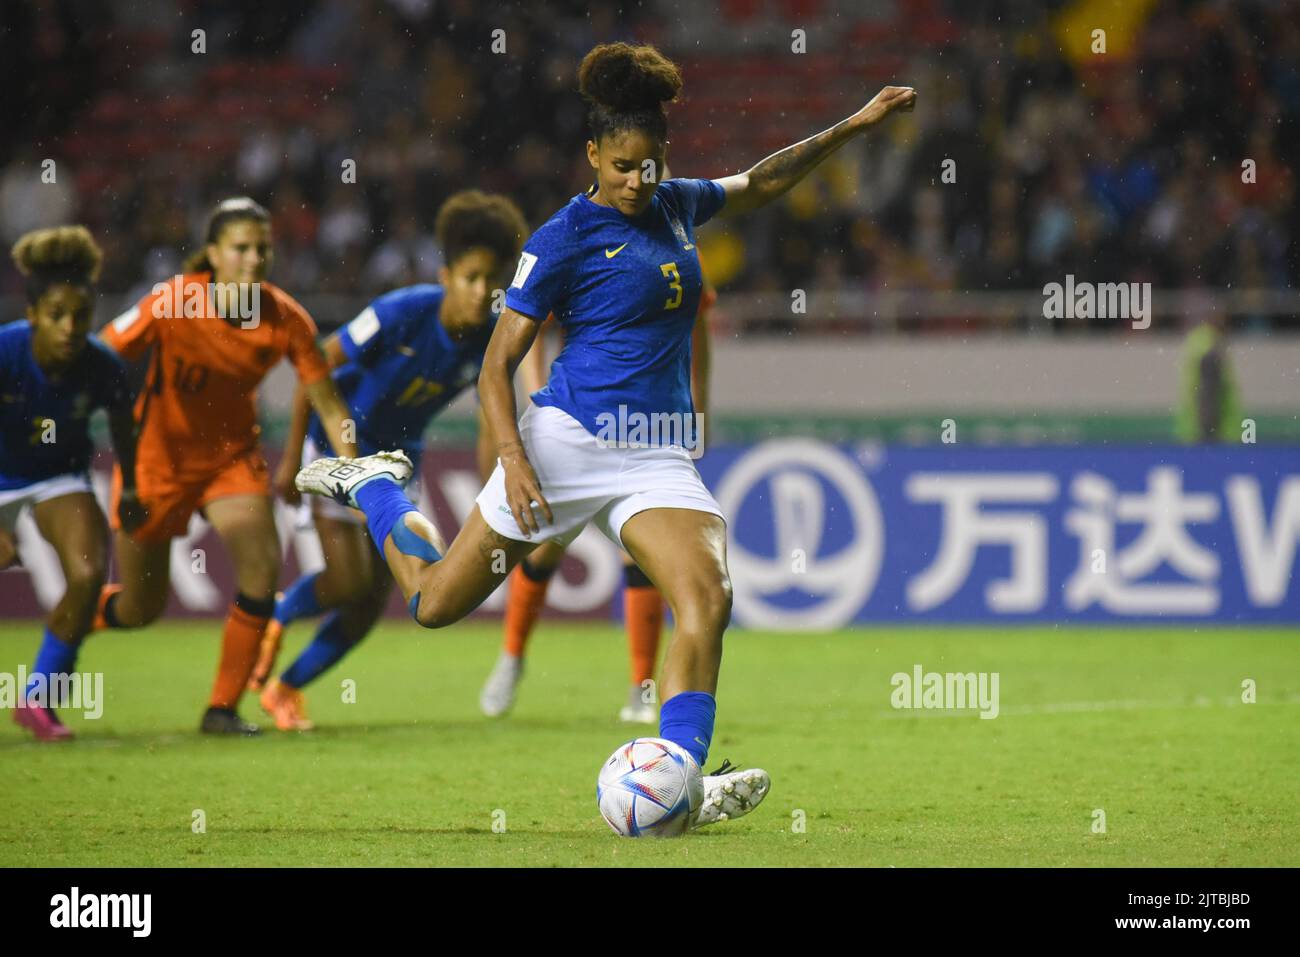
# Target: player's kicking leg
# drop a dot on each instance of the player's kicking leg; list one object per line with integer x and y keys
{"x": 440, "y": 585}
{"x": 682, "y": 551}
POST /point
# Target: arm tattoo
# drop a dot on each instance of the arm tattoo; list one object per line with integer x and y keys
{"x": 780, "y": 171}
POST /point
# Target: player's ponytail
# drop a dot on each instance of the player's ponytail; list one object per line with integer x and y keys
{"x": 234, "y": 210}
{"x": 67, "y": 254}
{"x": 626, "y": 87}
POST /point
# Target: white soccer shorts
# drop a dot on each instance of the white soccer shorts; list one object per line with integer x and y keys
{"x": 15, "y": 500}
{"x": 584, "y": 481}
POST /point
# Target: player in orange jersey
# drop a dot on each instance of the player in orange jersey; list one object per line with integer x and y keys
{"x": 215, "y": 332}
{"x": 643, "y": 604}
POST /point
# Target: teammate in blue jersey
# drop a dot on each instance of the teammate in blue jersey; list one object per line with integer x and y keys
{"x": 608, "y": 440}
{"x": 399, "y": 363}
{"x": 52, "y": 376}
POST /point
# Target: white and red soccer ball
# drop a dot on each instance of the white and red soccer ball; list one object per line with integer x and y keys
{"x": 650, "y": 787}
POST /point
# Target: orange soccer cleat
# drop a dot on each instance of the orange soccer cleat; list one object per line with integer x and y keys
{"x": 288, "y": 706}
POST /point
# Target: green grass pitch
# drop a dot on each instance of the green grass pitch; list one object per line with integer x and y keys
{"x": 1146, "y": 725}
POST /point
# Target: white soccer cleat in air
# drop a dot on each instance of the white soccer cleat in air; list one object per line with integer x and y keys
{"x": 341, "y": 478}
{"x": 498, "y": 694}
{"x": 729, "y": 794}
{"x": 637, "y": 710}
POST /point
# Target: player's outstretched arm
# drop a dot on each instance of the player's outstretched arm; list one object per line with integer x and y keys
{"x": 774, "y": 175}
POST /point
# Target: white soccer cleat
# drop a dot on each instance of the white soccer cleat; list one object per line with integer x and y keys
{"x": 341, "y": 478}
{"x": 498, "y": 694}
{"x": 637, "y": 710}
{"x": 730, "y": 794}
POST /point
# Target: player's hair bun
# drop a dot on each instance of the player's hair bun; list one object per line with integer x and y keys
{"x": 628, "y": 79}
{"x": 68, "y": 252}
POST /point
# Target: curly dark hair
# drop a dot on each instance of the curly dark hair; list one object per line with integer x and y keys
{"x": 626, "y": 87}
{"x": 471, "y": 219}
{"x": 62, "y": 254}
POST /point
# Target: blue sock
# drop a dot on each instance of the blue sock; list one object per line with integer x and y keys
{"x": 299, "y": 601}
{"x": 55, "y": 657}
{"x": 384, "y": 504}
{"x": 325, "y": 651}
{"x": 686, "y": 719}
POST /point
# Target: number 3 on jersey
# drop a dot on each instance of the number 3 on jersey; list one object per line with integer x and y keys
{"x": 674, "y": 283}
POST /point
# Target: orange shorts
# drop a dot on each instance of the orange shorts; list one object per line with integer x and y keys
{"x": 171, "y": 502}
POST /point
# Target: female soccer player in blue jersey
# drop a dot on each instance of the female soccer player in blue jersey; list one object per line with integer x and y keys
{"x": 643, "y": 606}
{"x": 617, "y": 266}
{"x": 52, "y": 376}
{"x": 399, "y": 363}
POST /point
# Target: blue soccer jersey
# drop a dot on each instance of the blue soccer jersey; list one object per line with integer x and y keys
{"x": 403, "y": 368}
{"x": 625, "y": 291}
{"x": 44, "y": 421}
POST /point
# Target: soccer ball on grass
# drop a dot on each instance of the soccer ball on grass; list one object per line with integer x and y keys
{"x": 649, "y": 787}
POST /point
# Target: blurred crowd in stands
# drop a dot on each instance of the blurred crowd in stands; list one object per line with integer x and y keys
{"x": 1126, "y": 165}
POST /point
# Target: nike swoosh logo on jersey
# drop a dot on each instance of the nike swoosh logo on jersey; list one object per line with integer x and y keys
{"x": 611, "y": 255}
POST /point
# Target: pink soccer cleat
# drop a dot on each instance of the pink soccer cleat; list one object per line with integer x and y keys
{"x": 43, "y": 723}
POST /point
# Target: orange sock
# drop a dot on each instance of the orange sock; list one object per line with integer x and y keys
{"x": 239, "y": 646}
{"x": 105, "y": 593}
{"x": 643, "y": 613}
{"x": 523, "y": 605}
